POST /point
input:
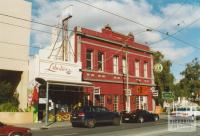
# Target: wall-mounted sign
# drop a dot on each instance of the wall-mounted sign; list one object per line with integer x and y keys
{"x": 60, "y": 67}
{"x": 158, "y": 67}
{"x": 154, "y": 92}
{"x": 128, "y": 91}
{"x": 59, "y": 70}
{"x": 96, "y": 90}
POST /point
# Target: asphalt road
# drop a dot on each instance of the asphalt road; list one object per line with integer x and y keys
{"x": 159, "y": 128}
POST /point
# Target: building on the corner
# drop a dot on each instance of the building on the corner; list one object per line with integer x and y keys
{"x": 108, "y": 58}
{"x": 99, "y": 68}
{"x": 14, "y": 45}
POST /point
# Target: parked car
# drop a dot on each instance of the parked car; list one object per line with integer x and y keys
{"x": 139, "y": 116}
{"x": 89, "y": 116}
{"x": 8, "y": 130}
{"x": 188, "y": 111}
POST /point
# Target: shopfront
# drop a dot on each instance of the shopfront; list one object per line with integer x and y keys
{"x": 60, "y": 89}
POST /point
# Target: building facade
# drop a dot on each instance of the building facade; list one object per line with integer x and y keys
{"x": 14, "y": 45}
{"x": 120, "y": 69}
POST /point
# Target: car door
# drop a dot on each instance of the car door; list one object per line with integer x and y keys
{"x": 107, "y": 116}
{"x": 98, "y": 114}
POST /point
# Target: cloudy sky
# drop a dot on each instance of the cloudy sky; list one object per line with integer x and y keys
{"x": 175, "y": 23}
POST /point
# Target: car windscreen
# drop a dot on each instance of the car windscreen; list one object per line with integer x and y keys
{"x": 183, "y": 109}
{"x": 82, "y": 109}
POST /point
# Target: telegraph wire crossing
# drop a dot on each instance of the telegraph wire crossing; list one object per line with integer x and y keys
{"x": 148, "y": 28}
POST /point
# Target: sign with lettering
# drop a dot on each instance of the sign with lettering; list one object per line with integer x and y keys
{"x": 167, "y": 95}
{"x": 59, "y": 67}
{"x": 158, "y": 67}
{"x": 59, "y": 70}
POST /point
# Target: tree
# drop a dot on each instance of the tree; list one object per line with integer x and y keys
{"x": 7, "y": 96}
{"x": 165, "y": 79}
{"x": 191, "y": 78}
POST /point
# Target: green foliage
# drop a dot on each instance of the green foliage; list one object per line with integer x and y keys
{"x": 8, "y": 107}
{"x": 165, "y": 79}
{"x": 6, "y": 91}
{"x": 8, "y": 98}
{"x": 191, "y": 78}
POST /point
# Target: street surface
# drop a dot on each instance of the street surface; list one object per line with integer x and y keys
{"x": 159, "y": 128}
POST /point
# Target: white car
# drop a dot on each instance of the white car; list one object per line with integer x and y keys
{"x": 187, "y": 112}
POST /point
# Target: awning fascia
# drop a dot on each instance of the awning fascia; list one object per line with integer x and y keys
{"x": 62, "y": 83}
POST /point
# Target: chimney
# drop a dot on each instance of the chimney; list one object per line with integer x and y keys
{"x": 130, "y": 37}
{"x": 107, "y": 29}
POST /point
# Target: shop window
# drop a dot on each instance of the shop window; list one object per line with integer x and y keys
{"x": 137, "y": 68}
{"x": 89, "y": 60}
{"x": 145, "y": 69}
{"x": 124, "y": 66}
{"x": 115, "y": 65}
{"x": 100, "y": 61}
{"x": 115, "y": 103}
{"x": 109, "y": 100}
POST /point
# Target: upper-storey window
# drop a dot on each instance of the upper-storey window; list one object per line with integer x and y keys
{"x": 100, "y": 61}
{"x": 89, "y": 60}
{"x": 145, "y": 69}
{"x": 124, "y": 66}
{"x": 137, "y": 68}
{"x": 115, "y": 65}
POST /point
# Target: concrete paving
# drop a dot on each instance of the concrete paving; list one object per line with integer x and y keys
{"x": 39, "y": 126}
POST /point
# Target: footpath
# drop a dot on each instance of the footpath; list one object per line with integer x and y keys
{"x": 39, "y": 126}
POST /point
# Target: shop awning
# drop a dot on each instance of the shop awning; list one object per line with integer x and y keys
{"x": 63, "y": 83}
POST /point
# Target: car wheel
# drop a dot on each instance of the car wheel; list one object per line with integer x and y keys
{"x": 116, "y": 121}
{"x": 90, "y": 123}
{"x": 16, "y": 134}
{"x": 156, "y": 118}
{"x": 140, "y": 119}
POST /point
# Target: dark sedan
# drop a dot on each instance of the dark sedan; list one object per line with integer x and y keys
{"x": 139, "y": 116}
{"x": 8, "y": 130}
{"x": 89, "y": 116}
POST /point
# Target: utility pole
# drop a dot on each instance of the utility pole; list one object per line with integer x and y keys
{"x": 127, "y": 83}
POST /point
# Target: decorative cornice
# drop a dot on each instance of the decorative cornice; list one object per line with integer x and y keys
{"x": 112, "y": 42}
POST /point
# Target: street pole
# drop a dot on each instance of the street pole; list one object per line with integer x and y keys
{"x": 47, "y": 104}
{"x": 127, "y": 83}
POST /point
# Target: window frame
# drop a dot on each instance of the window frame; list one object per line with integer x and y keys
{"x": 145, "y": 69}
{"x": 100, "y": 62}
{"x": 89, "y": 59}
{"x": 137, "y": 68}
{"x": 116, "y": 64}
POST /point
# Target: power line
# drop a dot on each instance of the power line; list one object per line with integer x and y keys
{"x": 174, "y": 13}
{"x": 148, "y": 27}
{"x": 36, "y": 22}
{"x": 27, "y": 20}
{"x": 171, "y": 35}
{"x": 27, "y": 28}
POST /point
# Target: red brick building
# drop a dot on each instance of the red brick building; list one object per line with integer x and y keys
{"x": 106, "y": 57}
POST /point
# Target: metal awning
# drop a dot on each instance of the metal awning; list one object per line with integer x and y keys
{"x": 63, "y": 83}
